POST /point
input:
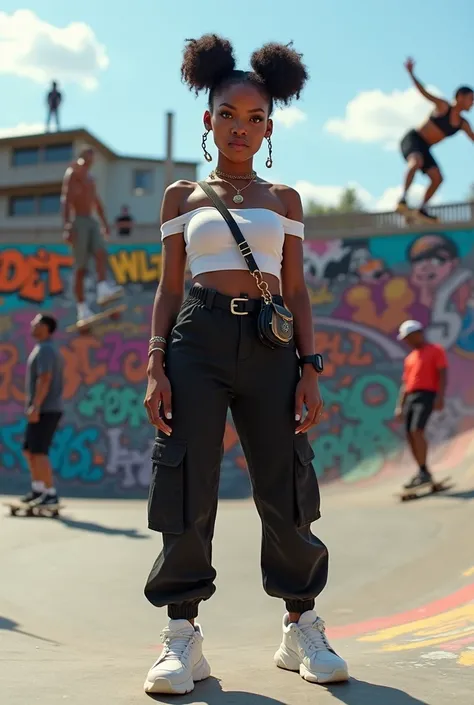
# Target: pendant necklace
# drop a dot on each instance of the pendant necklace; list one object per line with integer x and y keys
{"x": 238, "y": 198}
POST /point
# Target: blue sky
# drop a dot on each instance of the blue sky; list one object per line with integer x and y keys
{"x": 120, "y": 73}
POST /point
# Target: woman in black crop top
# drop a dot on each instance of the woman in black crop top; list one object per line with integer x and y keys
{"x": 416, "y": 145}
{"x": 206, "y": 357}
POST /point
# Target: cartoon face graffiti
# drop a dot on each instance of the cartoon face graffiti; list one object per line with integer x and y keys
{"x": 433, "y": 259}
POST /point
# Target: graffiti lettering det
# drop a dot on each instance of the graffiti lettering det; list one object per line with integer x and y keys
{"x": 360, "y": 290}
{"x": 32, "y": 277}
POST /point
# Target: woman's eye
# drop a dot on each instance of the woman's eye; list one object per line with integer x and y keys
{"x": 256, "y": 118}
{"x": 225, "y": 114}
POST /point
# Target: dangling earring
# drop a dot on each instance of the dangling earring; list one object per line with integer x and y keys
{"x": 207, "y": 156}
{"x": 269, "y": 162}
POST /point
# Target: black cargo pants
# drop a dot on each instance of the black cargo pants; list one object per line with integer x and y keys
{"x": 215, "y": 360}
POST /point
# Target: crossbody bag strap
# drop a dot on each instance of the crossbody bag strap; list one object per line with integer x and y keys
{"x": 242, "y": 243}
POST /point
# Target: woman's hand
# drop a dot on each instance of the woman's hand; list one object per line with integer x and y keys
{"x": 158, "y": 397}
{"x": 308, "y": 394}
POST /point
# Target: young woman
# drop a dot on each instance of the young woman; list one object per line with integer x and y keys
{"x": 416, "y": 145}
{"x": 206, "y": 356}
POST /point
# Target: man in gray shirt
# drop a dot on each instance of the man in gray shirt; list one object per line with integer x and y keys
{"x": 44, "y": 408}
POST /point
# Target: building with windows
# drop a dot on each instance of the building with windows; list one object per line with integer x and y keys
{"x": 32, "y": 169}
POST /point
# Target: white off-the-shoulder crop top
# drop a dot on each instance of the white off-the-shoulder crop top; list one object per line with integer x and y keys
{"x": 210, "y": 245}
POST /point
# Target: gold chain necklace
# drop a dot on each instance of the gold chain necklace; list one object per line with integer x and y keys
{"x": 238, "y": 198}
{"x": 243, "y": 177}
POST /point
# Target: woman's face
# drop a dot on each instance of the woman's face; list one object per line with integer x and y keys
{"x": 239, "y": 121}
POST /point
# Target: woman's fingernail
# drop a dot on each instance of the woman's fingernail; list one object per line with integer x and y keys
{"x": 297, "y": 417}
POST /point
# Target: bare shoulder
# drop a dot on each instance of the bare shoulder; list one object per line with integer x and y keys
{"x": 174, "y": 198}
{"x": 291, "y": 200}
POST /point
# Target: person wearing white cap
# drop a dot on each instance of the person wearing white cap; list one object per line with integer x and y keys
{"x": 422, "y": 391}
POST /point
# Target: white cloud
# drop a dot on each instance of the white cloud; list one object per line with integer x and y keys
{"x": 32, "y": 48}
{"x": 23, "y": 128}
{"x": 288, "y": 117}
{"x": 375, "y": 116}
{"x": 330, "y": 195}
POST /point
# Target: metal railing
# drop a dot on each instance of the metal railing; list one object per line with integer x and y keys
{"x": 452, "y": 216}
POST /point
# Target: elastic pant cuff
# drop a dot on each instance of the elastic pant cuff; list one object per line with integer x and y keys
{"x": 186, "y": 610}
{"x": 299, "y": 606}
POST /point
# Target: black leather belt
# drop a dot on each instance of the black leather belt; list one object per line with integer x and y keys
{"x": 237, "y": 305}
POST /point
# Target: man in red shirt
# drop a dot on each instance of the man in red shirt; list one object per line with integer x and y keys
{"x": 422, "y": 391}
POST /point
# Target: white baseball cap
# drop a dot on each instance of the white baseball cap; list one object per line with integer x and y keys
{"x": 408, "y": 327}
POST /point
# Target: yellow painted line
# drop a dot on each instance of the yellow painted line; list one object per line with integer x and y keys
{"x": 442, "y": 628}
{"x": 468, "y": 573}
{"x": 466, "y": 658}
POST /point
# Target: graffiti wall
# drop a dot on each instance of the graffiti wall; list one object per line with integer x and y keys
{"x": 360, "y": 290}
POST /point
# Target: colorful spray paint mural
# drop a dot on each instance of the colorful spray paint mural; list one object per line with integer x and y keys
{"x": 360, "y": 290}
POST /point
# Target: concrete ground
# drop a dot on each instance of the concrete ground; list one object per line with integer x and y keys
{"x": 76, "y": 629}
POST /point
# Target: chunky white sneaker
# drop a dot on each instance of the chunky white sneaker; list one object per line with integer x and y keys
{"x": 108, "y": 292}
{"x": 305, "y": 648}
{"x": 83, "y": 312}
{"x": 181, "y": 662}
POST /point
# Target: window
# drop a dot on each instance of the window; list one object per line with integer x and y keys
{"x": 25, "y": 156}
{"x": 49, "y": 204}
{"x": 22, "y": 205}
{"x": 58, "y": 152}
{"x": 49, "y": 154}
{"x": 44, "y": 204}
{"x": 142, "y": 181}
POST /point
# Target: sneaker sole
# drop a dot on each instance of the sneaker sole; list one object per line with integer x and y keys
{"x": 163, "y": 685}
{"x": 202, "y": 670}
{"x": 288, "y": 662}
{"x": 339, "y": 675}
{"x": 108, "y": 299}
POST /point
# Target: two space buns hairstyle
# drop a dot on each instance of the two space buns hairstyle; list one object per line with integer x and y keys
{"x": 277, "y": 69}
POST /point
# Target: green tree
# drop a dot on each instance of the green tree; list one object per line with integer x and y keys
{"x": 348, "y": 203}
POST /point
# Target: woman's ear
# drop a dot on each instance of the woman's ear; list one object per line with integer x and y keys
{"x": 269, "y": 131}
{"x": 207, "y": 120}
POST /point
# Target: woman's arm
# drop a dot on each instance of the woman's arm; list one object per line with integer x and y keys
{"x": 168, "y": 300}
{"x": 440, "y": 103}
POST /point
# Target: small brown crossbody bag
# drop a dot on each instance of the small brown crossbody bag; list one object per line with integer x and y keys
{"x": 274, "y": 322}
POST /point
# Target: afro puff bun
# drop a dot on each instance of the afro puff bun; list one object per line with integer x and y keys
{"x": 209, "y": 62}
{"x": 206, "y": 62}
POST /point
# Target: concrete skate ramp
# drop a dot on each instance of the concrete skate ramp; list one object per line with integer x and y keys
{"x": 76, "y": 628}
{"x": 361, "y": 289}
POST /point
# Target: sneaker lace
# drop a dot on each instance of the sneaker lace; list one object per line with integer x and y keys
{"x": 176, "y": 645}
{"x": 315, "y": 635}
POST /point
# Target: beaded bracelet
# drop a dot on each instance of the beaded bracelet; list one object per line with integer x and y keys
{"x": 152, "y": 350}
{"x": 157, "y": 339}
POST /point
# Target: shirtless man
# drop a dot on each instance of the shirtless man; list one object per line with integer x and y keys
{"x": 79, "y": 196}
{"x": 444, "y": 121}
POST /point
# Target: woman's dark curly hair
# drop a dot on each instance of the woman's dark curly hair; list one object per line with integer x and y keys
{"x": 209, "y": 65}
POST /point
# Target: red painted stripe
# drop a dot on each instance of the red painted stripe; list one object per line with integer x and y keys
{"x": 460, "y": 597}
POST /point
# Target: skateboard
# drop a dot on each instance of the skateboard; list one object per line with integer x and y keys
{"x": 86, "y": 325}
{"x": 23, "y": 509}
{"x": 424, "y": 490}
{"x": 411, "y": 216}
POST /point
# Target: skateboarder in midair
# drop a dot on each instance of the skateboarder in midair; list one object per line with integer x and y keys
{"x": 82, "y": 231}
{"x": 422, "y": 391}
{"x": 44, "y": 408}
{"x": 444, "y": 121}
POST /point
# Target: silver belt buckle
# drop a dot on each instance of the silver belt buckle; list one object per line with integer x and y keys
{"x": 233, "y": 305}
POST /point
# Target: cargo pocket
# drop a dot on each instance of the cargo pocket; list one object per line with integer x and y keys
{"x": 307, "y": 499}
{"x": 166, "y": 495}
